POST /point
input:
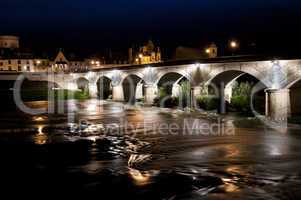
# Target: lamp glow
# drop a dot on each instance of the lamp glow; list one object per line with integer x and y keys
{"x": 233, "y": 44}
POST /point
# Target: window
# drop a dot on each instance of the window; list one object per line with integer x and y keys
{"x": 27, "y": 62}
{"x": 1, "y": 63}
{"x": 9, "y": 68}
{"x": 19, "y": 62}
{"x": 19, "y": 68}
{"x": 9, "y": 62}
{"x": 28, "y": 68}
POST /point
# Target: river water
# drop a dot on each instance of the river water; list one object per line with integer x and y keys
{"x": 125, "y": 152}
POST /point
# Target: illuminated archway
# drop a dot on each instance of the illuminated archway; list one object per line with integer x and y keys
{"x": 170, "y": 82}
{"x": 82, "y": 84}
{"x": 104, "y": 88}
{"x": 295, "y": 98}
{"x": 132, "y": 88}
{"x": 222, "y": 85}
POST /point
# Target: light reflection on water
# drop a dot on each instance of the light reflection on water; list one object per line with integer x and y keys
{"x": 249, "y": 159}
{"x": 40, "y": 138}
{"x": 140, "y": 178}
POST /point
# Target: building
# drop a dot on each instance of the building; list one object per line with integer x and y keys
{"x": 73, "y": 64}
{"x": 62, "y": 64}
{"x": 13, "y": 59}
{"x": 187, "y": 53}
{"x": 9, "y": 42}
{"x": 145, "y": 55}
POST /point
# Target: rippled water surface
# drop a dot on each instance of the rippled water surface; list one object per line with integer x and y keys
{"x": 120, "y": 155}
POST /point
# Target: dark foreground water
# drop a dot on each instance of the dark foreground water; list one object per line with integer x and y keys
{"x": 122, "y": 153}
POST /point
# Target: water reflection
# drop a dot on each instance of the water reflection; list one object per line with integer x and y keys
{"x": 40, "y": 138}
{"x": 229, "y": 185}
{"x": 39, "y": 118}
{"x": 148, "y": 166}
{"x": 140, "y": 178}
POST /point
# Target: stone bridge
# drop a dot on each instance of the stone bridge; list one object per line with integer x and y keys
{"x": 128, "y": 83}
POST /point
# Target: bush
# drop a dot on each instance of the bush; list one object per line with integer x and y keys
{"x": 241, "y": 103}
{"x": 165, "y": 99}
{"x": 184, "y": 95}
{"x": 241, "y": 97}
{"x": 208, "y": 102}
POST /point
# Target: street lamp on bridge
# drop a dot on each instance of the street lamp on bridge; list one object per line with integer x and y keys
{"x": 233, "y": 46}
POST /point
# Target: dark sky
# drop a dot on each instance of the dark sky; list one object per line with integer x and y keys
{"x": 96, "y": 24}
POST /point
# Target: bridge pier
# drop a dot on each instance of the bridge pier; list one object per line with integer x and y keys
{"x": 277, "y": 106}
{"x": 150, "y": 94}
{"x": 118, "y": 93}
{"x": 222, "y": 106}
{"x": 93, "y": 90}
{"x": 196, "y": 91}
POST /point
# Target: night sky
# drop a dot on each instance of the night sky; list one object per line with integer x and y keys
{"x": 273, "y": 25}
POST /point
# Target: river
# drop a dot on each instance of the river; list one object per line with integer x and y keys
{"x": 131, "y": 152}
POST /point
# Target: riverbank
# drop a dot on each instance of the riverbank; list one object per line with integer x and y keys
{"x": 38, "y": 95}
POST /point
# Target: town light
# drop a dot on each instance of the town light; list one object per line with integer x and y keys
{"x": 207, "y": 51}
{"x": 140, "y": 55}
{"x": 38, "y": 62}
{"x": 92, "y": 62}
{"x": 233, "y": 44}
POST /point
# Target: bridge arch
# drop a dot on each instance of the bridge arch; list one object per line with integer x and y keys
{"x": 82, "y": 83}
{"x": 222, "y": 84}
{"x": 260, "y": 72}
{"x": 171, "y": 81}
{"x": 295, "y": 98}
{"x": 104, "y": 87}
{"x": 132, "y": 86}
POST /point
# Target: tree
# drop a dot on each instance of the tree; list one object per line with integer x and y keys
{"x": 241, "y": 96}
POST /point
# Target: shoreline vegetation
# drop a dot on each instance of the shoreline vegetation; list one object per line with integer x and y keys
{"x": 39, "y": 95}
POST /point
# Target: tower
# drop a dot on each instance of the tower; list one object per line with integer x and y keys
{"x": 212, "y": 51}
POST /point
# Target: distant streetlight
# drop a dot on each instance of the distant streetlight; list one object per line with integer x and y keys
{"x": 140, "y": 55}
{"x": 207, "y": 51}
{"x": 233, "y": 44}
